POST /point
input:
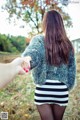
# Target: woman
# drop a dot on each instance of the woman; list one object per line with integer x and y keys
{"x": 51, "y": 58}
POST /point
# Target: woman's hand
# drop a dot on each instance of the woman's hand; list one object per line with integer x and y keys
{"x": 26, "y": 64}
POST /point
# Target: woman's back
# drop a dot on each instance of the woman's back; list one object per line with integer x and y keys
{"x": 57, "y": 44}
{"x": 43, "y": 70}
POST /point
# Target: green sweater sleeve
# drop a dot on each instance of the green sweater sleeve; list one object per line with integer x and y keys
{"x": 71, "y": 70}
{"x": 34, "y": 51}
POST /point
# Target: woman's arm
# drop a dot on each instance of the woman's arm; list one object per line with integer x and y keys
{"x": 71, "y": 70}
{"x": 33, "y": 51}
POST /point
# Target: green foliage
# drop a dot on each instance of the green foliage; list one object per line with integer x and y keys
{"x": 12, "y": 44}
{"x": 5, "y": 44}
{"x": 18, "y": 42}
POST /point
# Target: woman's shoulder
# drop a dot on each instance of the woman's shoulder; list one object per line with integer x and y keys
{"x": 38, "y": 37}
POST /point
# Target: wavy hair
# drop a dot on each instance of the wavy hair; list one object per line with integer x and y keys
{"x": 57, "y": 44}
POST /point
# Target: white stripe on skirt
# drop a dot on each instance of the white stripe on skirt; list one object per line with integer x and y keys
{"x": 52, "y": 92}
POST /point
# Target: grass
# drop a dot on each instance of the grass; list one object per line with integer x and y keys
{"x": 18, "y": 99}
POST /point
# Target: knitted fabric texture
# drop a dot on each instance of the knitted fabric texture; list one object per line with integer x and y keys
{"x": 41, "y": 71}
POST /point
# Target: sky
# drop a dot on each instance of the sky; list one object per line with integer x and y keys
{"x": 74, "y": 12}
{"x": 73, "y": 9}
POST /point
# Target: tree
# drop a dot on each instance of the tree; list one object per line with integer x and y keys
{"x": 12, "y": 44}
{"x": 32, "y": 12}
{"x": 6, "y": 45}
{"x": 19, "y": 42}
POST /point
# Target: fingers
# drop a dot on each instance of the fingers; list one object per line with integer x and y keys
{"x": 18, "y": 61}
{"x": 22, "y": 64}
{"x": 25, "y": 66}
{"x": 26, "y": 70}
{"x": 20, "y": 70}
{"x": 27, "y": 61}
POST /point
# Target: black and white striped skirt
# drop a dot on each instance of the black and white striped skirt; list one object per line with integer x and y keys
{"x": 52, "y": 92}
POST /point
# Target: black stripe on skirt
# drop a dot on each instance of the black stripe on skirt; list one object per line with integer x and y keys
{"x": 52, "y": 92}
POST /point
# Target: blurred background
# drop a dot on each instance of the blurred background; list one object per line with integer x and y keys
{"x": 20, "y": 20}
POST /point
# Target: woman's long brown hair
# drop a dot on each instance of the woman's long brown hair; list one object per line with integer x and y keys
{"x": 57, "y": 44}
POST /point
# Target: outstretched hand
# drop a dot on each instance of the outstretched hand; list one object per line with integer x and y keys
{"x": 8, "y": 71}
{"x": 26, "y": 64}
{"x": 20, "y": 64}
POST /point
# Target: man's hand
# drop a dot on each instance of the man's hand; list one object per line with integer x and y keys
{"x": 8, "y": 71}
{"x": 18, "y": 64}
